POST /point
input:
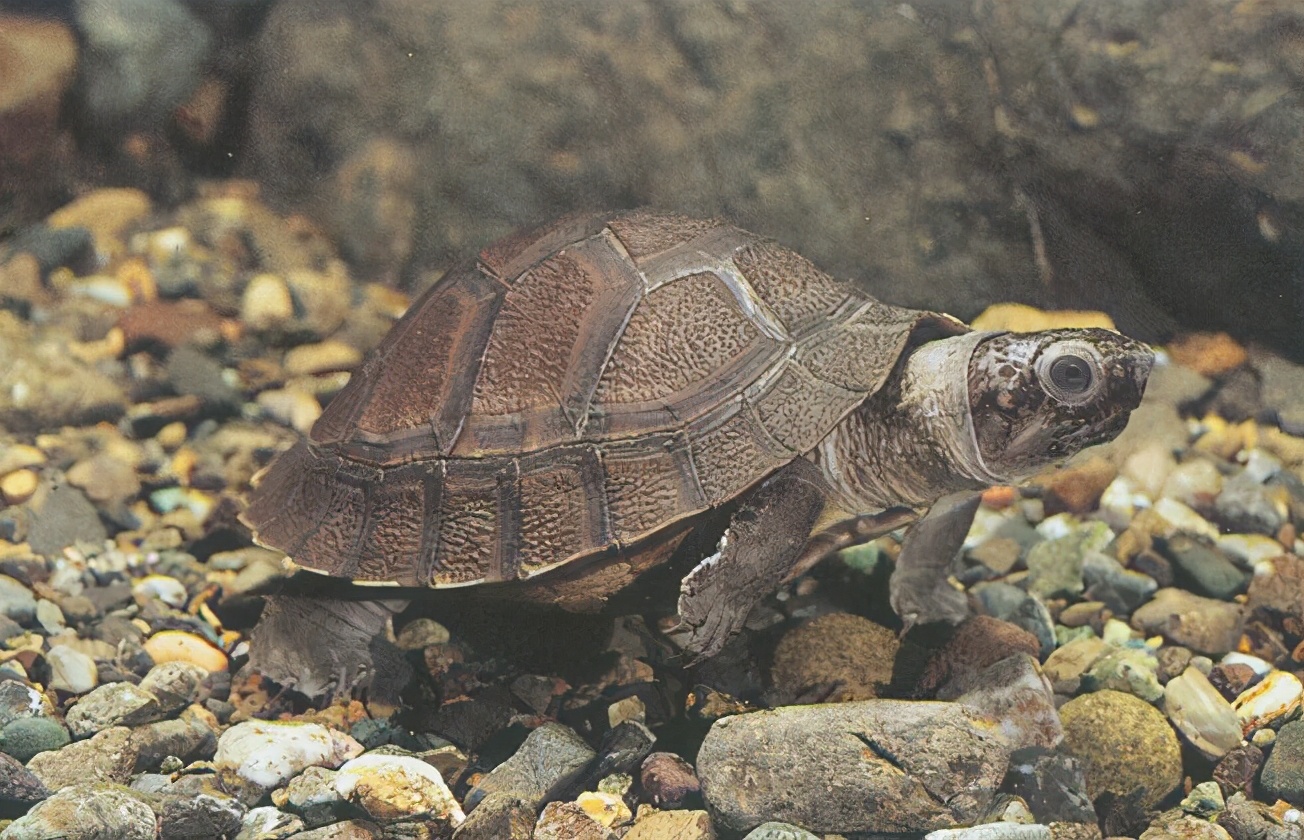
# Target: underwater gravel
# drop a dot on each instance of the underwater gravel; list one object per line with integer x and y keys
{"x": 1133, "y": 667}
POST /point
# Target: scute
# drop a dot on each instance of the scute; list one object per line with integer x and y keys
{"x": 574, "y": 391}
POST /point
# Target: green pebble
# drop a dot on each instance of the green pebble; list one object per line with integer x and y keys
{"x": 25, "y": 737}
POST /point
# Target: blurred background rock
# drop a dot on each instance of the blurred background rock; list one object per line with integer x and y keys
{"x": 1147, "y": 159}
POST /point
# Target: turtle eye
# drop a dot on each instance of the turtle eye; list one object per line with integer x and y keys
{"x": 1072, "y": 374}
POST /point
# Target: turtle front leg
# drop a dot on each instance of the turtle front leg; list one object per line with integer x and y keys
{"x": 329, "y": 647}
{"x": 764, "y": 540}
{"x": 919, "y": 591}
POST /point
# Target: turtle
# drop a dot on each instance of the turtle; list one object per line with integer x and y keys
{"x": 555, "y": 417}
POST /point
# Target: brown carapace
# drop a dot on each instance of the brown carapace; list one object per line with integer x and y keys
{"x": 556, "y": 416}
{"x": 572, "y": 391}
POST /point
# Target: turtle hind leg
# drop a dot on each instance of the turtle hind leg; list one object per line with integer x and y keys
{"x": 330, "y": 647}
{"x": 765, "y": 538}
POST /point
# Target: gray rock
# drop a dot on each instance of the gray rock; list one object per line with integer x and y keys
{"x": 1121, "y": 589}
{"x": 498, "y": 816}
{"x": 107, "y": 756}
{"x": 175, "y": 684}
{"x": 1055, "y": 566}
{"x": 268, "y": 823}
{"x": 1247, "y": 506}
{"x": 25, "y": 737}
{"x": 347, "y": 830}
{"x": 199, "y": 816}
{"x": 668, "y": 781}
{"x": 568, "y": 821}
{"x": 1201, "y": 624}
{"x": 88, "y": 811}
{"x": 1176, "y": 825}
{"x": 872, "y": 766}
{"x": 71, "y": 670}
{"x": 19, "y": 788}
{"x": 20, "y": 700}
{"x": 1134, "y": 670}
{"x": 1052, "y": 784}
{"x": 1202, "y": 715}
{"x": 61, "y": 516}
{"x": 1202, "y": 569}
{"x": 1283, "y": 772}
{"x": 550, "y": 758}
{"x": 17, "y": 602}
{"x": 992, "y": 831}
{"x": 779, "y": 831}
{"x": 1015, "y": 693}
{"x": 114, "y": 704}
{"x": 189, "y": 739}
{"x": 1022, "y": 609}
{"x": 1245, "y": 819}
{"x": 142, "y": 59}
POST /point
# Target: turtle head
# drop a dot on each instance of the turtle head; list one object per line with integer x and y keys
{"x": 1037, "y": 398}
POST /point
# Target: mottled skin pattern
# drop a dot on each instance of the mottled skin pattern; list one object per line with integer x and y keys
{"x": 553, "y": 417}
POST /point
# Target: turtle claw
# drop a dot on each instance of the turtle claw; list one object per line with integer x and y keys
{"x": 329, "y": 648}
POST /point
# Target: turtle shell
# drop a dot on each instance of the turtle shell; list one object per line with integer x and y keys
{"x": 574, "y": 391}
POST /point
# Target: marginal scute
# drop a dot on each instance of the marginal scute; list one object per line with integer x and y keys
{"x": 650, "y": 482}
{"x": 732, "y": 455}
{"x": 398, "y": 515}
{"x": 468, "y": 524}
{"x": 562, "y": 508}
{"x": 331, "y": 546}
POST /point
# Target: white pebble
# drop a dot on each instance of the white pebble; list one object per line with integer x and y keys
{"x": 1183, "y": 518}
{"x": 1276, "y": 697}
{"x": 270, "y": 753}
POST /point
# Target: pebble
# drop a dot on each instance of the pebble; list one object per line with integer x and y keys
{"x": 690, "y": 825}
{"x": 422, "y": 633}
{"x": 24, "y": 737}
{"x": 19, "y": 788}
{"x": 977, "y": 643}
{"x": 1130, "y": 669}
{"x": 269, "y": 753}
{"x": 1184, "y": 618}
{"x": 1237, "y": 770}
{"x": 499, "y": 816}
{"x": 992, "y": 831}
{"x": 113, "y": 704}
{"x": 779, "y": 831}
{"x": 107, "y": 756}
{"x": 266, "y": 302}
{"x": 88, "y": 811}
{"x": 390, "y": 788}
{"x": 1066, "y": 665}
{"x": 568, "y": 821}
{"x": 1182, "y": 518}
{"x": 296, "y": 409}
{"x": 1021, "y": 609}
{"x": 18, "y": 486}
{"x": 669, "y": 781}
{"x": 1180, "y": 826}
{"x": 169, "y": 590}
{"x": 1202, "y": 569}
{"x": 71, "y": 670}
{"x": 17, "y": 603}
{"x": 1052, "y": 785}
{"x": 321, "y": 357}
{"x": 1204, "y": 800}
{"x": 1015, "y": 693}
{"x": 551, "y": 757}
{"x": 1249, "y": 550}
{"x": 1201, "y": 714}
{"x": 609, "y": 809}
{"x": 1277, "y": 697}
{"x": 852, "y": 655}
{"x": 1125, "y": 745}
{"x": 1283, "y": 773}
{"x": 862, "y": 766}
{"x": 180, "y": 646}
